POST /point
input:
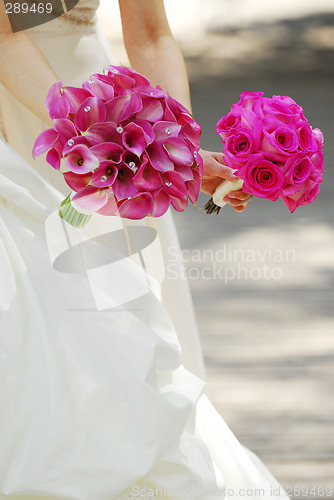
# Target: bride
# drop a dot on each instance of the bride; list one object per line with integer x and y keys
{"x": 102, "y": 391}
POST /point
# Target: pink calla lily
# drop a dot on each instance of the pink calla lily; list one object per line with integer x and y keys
{"x": 152, "y": 110}
{"x": 174, "y": 184}
{"x": 193, "y": 187}
{"x": 108, "y": 151}
{"x": 74, "y": 141}
{"x": 81, "y": 160}
{"x": 147, "y": 129}
{"x": 178, "y": 151}
{"x": 105, "y": 175}
{"x": 90, "y": 198}
{"x": 75, "y": 96}
{"x": 99, "y": 88}
{"x": 53, "y": 158}
{"x": 53, "y": 94}
{"x": 45, "y": 141}
{"x": 163, "y": 130}
{"x": 137, "y": 207}
{"x": 111, "y": 206}
{"x": 104, "y": 132}
{"x": 123, "y": 186}
{"x": 134, "y": 139}
{"x": 65, "y": 128}
{"x": 147, "y": 178}
{"x": 159, "y": 157}
{"x": 187, "y": 173}
{"x": 76, "y": 181}
{"x": 179, "y": 204}
{"x": 60, "y": 108}
{"x": 91, "y": 111}
{"x": 123, "y": 107}
{"x": 161, "y": 201}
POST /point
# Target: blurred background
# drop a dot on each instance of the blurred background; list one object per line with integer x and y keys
{"x": 262, "y": 281}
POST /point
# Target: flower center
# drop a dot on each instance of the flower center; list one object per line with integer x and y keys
{"x": 80, "y": 162}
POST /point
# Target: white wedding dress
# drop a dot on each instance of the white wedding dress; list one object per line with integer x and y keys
{"x": 101, "y": 373}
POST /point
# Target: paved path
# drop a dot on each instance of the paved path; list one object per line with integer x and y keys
{"x": 262, "y": 281}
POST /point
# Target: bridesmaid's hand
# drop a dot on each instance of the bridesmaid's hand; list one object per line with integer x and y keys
{"x": 214, "y": 172}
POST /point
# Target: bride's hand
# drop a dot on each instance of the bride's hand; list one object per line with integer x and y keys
{"x": 214, "y": 172}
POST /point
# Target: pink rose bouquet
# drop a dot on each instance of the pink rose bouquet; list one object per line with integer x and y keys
{"x": 273, "y": 149}
{"x": 123, "y": 146}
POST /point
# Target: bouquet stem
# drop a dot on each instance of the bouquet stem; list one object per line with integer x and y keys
{"x": 216, "y": 202}
{"x": 71, "y": 215}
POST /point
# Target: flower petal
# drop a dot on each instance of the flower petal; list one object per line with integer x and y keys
{"x": 159, "y": 157}
{"x": 91, "y": 111}
{"x": 174, "y": 184}
{"x": 111, "y": 207}
{"x": 74, "y": 141}
{"x": 99, "y": 88}
{"x": 164, "y": 129}
{"x": 179, "y": 204}
{"x": 147, "y": 129}
{"x": 90, "y": 198}
{"x": 152, "y": 111}
{"x": 53, "y": 158}
{"x": 60, "y": 108}
{"x": 45, "y": 141}
{"x": 194, "y": 187}
{"x": 147, "y": 178}
{"x": 108, "y": 151}
{"x": 123, "y": 186}
{"x": 161, "y": 203}
{"x": 81, "y": 160}
{"x": 178, "y": 151}
{"x": 65, "y": 128}
{"x": 123, "y": 107}
{"x": 77, "y": 181}
{"x": 104, "y": 132}
{"x": 137, "y": 207}
{"x": 134, "y": 139}
{"x": 75, "y": 96}
{"x": 105, "y": 175}
{"x": 53, "y": 94}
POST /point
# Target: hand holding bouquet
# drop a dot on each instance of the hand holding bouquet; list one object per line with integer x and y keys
{"x": 273, "y": 149}
{"x": 124, "y": 147}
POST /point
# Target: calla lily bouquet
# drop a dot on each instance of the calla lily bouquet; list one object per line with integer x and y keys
{"x": 273, "y": 149}
{"x": 123, "y": 146}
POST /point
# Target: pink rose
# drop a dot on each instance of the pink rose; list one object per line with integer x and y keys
{"x": 279, "y": 141}
{"x": 279, "y": 109}
{"x": 291, "y": 103}
{"x": 318, "y": 136}
{"x": 306, "y": 140}
{"x": 247, "y": 99}
{"x": 317, "y": 160}
{"x": 227, "y": 124}
{"x": 239, "y": 146}
{"x": 261, "y": 177}
{"x": 306, "y": 195}
{"x": 296, "y": 172}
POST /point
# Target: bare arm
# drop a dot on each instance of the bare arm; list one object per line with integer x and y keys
{"x": 151, "y": 47}
{"x": 24, "y": 71}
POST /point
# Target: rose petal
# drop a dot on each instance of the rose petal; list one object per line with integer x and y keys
{"x": 137, "y": 207}
{"x": 45, "y": 141}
